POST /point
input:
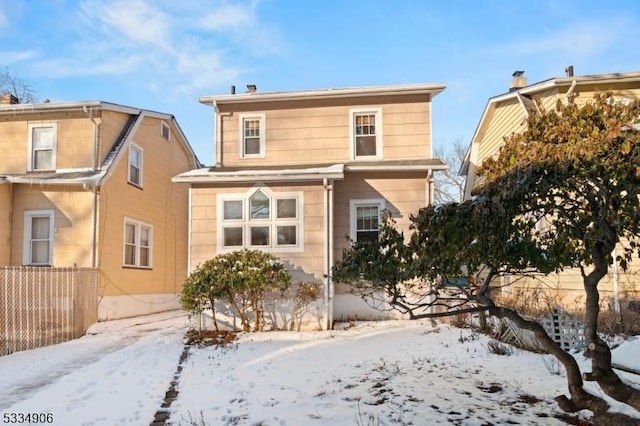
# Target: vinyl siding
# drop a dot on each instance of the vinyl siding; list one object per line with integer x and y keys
{"x": 305, "y": 133}
{"x": 158, "y": 203}
{"x": 404, "y": 194}
{"x": 5, "y": 223}
{"x": 73, "y": 222}
{"x": 304, "y": 265}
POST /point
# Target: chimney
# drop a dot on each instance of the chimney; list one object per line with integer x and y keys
{"x": 518, "y": 81}
{"x": 233, "y": 90}
{"x": 569, "y": 71}
{"x": 251, "y": 88}
{"x": 8, "y": 99}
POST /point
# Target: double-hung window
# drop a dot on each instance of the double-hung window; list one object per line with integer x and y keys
{"x": 138, "y": 244}
{"x": 366, "y": 134}
{"x": 42, "y": 146}
{"x": 252, "y": 136}
{"x": 135, "y": 165}
{"x": 365, "y": 219}
{"x": 260, "y": 219}
{"x": 38, "y": 237}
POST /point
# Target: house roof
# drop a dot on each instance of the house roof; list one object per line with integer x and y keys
{"x": 431, "y": 89}
{"x": 523, "y": 95}
{"x": 302, "y": 173}
{"x": 90, "y": 176}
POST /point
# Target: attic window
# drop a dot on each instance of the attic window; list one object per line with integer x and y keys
{"x": 164, "y": 130}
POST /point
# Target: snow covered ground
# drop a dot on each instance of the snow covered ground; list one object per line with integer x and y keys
{"x": 383, "y": 373}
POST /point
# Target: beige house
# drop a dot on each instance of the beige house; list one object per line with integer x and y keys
{"x": 88, "y": 185}
{"x": 506, "y": 114}
{"x": 298, "y": 172}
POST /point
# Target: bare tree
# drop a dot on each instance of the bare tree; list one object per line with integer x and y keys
{"x": 449, "y": 186}
{"x": 14, "y": 85}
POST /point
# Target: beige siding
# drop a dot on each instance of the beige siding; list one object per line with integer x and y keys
{"x": 158, "y": 203}
{"x": 305, "y": 265}
{"x": 74, "y": 140}
{"x": 73, "y": 222}
{"x": 404, "y": 194}
{"x": 5, "y": 223}
{"x": 508, "y": 118}
{"x": 14, "y": 146}
{"x": 307, "y": 133}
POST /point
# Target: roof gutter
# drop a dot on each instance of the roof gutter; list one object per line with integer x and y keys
{"x": 425, "y": 89}
{"x": 299, "y": 177}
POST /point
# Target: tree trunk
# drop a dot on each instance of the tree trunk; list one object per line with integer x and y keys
{"x": 602, "y": 372}
{"x": 580, "y": 398}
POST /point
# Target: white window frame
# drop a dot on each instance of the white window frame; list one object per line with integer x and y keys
{"x": 28, "y": 223}
{"x": 134, "y": 147}
{"x": 165, "y": 130}
{"x": 54, "y": 150}
{"x": 353, "y": 204}
{"x": 246, "y": 223}
{"x": 352, "y": 131}
{"x": 137, "y": 244}
{"x": 263, "y": 130}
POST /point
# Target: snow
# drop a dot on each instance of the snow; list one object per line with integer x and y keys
{"x": 388, "y": 372}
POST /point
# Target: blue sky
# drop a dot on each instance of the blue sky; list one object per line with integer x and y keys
{"x": 164, "y": 54}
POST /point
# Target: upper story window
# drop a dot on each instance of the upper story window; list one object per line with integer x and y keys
{"x": 137, "y": 247}
{"x": 260, "y": 219}
{"x": 135, "y": 165}
{"x": 252, "y": 136}
{"x": 164, "y": 130}
{"x": 42, "y": 146}
{"x": 366, "y": 134}
{"x": 38, "y": 237}
{"x": 366, "y": 219}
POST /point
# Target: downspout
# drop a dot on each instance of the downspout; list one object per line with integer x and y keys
{"x": 429, "y": 190}
{"x": 570, "y": 91}
{"x": 615, "y": 282}
{"x": 217, "y": 135}
{"x": 328, "y": 251}
{"x": 189, "y": 250}
{"x": 95, "y": 189}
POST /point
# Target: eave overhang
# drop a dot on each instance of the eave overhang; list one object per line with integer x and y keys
{"x": 409, "y": 89}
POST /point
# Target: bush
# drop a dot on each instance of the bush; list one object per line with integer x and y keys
{"x": 240, "y": 278}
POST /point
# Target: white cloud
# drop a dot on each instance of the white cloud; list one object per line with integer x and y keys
{"x": 4, "y": 21}
{"x": 14, "y": 56}
{"x": 584, "y": 38}
{"x": 229, "y": 17}
{"x": 189, "y": 47}
{"x": 136, "y": 20}
{"x": 84, "y": 66}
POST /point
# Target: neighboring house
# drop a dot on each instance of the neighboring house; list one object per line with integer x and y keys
{"x": 88, "y": 185}
{"x": 298, "y": 172}
{"x": 506, "y": 114}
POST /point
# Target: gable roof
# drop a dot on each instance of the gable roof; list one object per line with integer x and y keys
{"x": 524, "y": 97}
{"x": 87, "y": 175}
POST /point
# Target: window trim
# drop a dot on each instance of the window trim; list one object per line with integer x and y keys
{"x": 138, "y": 148}
{"x": 261, "y": 117}
{"x": 246, "y": 223}
{"x": 354, "y": 203}
{"x": 352, "y": 133}
{"x": 163, "y": 126}
{"x": 28, "y": 223}
{"x": 138, "y": 226}
{"x": 54, "y": 150}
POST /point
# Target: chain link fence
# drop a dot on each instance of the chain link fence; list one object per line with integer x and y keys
{"x": 42, "y": 306}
